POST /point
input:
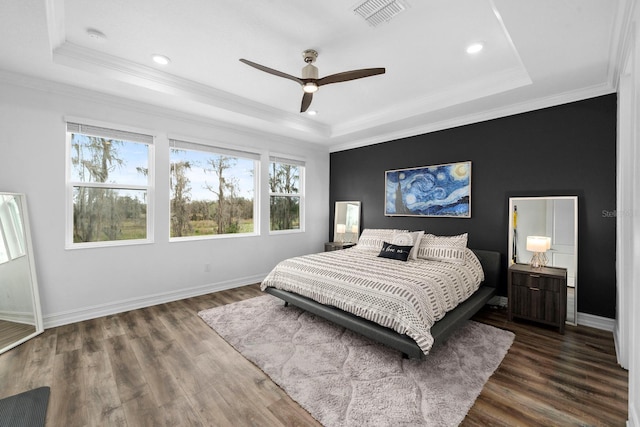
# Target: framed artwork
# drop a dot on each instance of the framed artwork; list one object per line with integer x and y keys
{"x": 429, "y": 191}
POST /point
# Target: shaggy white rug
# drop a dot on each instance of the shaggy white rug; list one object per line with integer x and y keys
{"x": 344, "y": 379}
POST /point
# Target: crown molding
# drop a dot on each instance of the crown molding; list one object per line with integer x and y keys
{"x": 481, "y": 87}
{"x": 99, "y": 63}
{"x": 619, "y": 41}
{"x": 116, "y": 101}
{"x": 55, "y": 22}
{"x": 256, "y": 120}
{"x": 371, "y": 136}
{"x": 94, "y": 61}
{"x": 490, "y": 114}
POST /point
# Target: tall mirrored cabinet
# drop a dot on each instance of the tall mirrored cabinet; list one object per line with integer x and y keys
{"x": 20, "y": 314}
{"x": 544, "y": 230}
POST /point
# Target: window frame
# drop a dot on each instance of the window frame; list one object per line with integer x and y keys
{"x": 190, "y": 144}
{"x": 300, "y": 194}
{"x": 124, "y": 133}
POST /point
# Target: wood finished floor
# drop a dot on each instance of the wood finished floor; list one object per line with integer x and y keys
{"x": 163, "y": 366}
{"x": 10, "y": 332}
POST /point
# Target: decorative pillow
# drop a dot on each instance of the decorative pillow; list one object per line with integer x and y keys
{"x": 409, "y": 239}
{"x": 449, "y": 249}
{"x": 372, "y": 238}
{"x": 392, "y": 251}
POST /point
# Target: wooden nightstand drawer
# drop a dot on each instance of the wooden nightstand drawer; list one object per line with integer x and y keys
{"x": 536, "y": 304}
{"x": 533, "y": 280}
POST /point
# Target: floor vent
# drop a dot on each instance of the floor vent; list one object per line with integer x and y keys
{"x": 376, "y": 12}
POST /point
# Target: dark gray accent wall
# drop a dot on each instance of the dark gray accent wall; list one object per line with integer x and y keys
{"x": 568, "y": 149}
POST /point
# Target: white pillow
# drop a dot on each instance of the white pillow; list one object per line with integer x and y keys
{"x": 449, "y": 249}
{"x": 408, "y": 239}
{"x": 371, "y": 239}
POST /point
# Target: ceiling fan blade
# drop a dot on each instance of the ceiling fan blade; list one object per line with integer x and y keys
{"x": 349, "y": 75}
{"x": 272, "y": 71}
{"x": 306, "y": 101}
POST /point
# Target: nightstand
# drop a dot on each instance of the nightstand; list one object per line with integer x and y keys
{"x": 336, "y": 246}
{"x": 538, "y": 294}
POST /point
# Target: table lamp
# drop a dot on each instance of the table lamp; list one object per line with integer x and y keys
{"x": 538, "y": 245}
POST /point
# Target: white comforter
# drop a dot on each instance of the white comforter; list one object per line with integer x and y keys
{"x": 408, "y": 297}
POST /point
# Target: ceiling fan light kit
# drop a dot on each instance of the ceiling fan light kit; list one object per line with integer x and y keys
{"x": 310, "y": 87}
{"x": 309, "y": 81}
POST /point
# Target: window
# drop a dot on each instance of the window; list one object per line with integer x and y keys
{"x": 212, "y": 190}
{"x": 109, "y": 176}
{"x": 286, "y": 183}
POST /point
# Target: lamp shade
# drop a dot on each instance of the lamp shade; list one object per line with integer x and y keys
{"x": 538, "y": 243}
{"x": 341, "y": 228}
{"x": 354, "y": 228}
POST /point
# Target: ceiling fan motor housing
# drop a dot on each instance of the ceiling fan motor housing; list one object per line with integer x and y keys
{"x": 309, "y": 71}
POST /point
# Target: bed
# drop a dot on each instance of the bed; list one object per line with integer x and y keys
{"x": 333, "y": 285}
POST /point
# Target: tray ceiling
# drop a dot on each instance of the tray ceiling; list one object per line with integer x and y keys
{"x": 535, "y": 54}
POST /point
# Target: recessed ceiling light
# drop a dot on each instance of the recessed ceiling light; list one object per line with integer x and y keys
{"x": 161, "y": 59}
{"x": 96, "y": 35}
{"x": 475, "y": 47}
{"x": 312, "y": 112}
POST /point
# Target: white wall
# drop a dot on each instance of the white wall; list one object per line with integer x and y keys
{"x": 80, "y": 284}
{"x": 627, "y": 328}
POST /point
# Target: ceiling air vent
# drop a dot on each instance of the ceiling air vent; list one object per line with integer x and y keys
{"x": 376, "y": 12}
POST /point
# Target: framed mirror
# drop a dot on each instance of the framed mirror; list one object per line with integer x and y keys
{"x": 20, "y": 314}
{"x": 346, "y": 228}
{"x": 556, "y": 219}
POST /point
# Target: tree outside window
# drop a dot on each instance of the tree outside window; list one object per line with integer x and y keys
{"x": 212, "y": 193}
{"x": 285, "y": 195}
{"x": 109, "y": 182}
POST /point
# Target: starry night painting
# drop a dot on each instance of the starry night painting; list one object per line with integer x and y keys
{"x": 437, "y": 191}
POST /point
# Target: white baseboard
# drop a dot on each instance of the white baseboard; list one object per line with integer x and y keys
{"x": 92, "y": 312}
{"x": 603, "y": 323}
{"x": 634, "y": 419}
{"x": 584, "y": 319}
{"x": 25, "y": 318}
{"x": 621, "y": 357}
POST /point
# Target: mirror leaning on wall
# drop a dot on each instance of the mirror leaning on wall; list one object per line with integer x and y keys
{"x": 20, "y": 313}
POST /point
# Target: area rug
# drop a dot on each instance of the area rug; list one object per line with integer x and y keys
{"x": 28, "y": 409}
{"x": 344, "y": 379}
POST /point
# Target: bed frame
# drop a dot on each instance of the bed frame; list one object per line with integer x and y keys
{"x": 441, "y": 330}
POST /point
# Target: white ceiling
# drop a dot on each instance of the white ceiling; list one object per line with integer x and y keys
{"x": 536, "y": 53}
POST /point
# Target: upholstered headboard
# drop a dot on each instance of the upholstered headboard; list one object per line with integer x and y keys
{"x": 490, "y": 261}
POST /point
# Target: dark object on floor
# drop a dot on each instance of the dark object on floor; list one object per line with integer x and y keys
{"x": 28, "y": 409}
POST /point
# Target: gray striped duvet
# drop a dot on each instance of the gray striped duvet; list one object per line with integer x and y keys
{"x": 408, "y": 297}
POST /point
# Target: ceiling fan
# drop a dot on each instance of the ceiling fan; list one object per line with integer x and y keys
{"x": 310, "y": 82}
